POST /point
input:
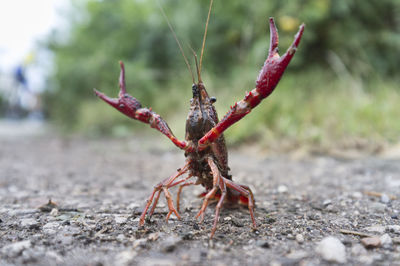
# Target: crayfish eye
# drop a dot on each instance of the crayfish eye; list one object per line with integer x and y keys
{"x": 213, "y": 99}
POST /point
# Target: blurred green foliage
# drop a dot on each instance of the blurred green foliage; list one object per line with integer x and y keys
{"x": 349, "y": 47}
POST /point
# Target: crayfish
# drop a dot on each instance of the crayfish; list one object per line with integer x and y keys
{"x": 204, "y": 145}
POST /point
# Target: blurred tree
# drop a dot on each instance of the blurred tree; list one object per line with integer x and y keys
{"x": 363, "y": 35}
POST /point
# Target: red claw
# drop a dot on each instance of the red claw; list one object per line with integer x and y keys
{"x": 132, "y": 108}
{"x": 269, "y": 76}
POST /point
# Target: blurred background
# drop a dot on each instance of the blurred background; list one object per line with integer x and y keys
{"x": 340, "y": 90}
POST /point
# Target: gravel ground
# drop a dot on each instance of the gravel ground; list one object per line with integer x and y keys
{"x": 310, "y": 211}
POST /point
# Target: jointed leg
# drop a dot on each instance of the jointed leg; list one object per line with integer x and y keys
{"x": 246, "y": 192}
{"x": 163, "y": 186}
{"x": 219, "y": 206}
{"x": 155, "y": 203}
{"x": 209, "y": 196}
{"x": 178, "y": 195}
{"x": 171, "y": 185}
{"x": 170, "y": 204}
{"x": 218, "y": 183}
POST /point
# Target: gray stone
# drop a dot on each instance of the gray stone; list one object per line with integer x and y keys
{"x": 15, "y": 249}
{"x": 394, "y": 228}
{"x": 299, "y": 238}
{"x": 51, "y": 228}
{"x": 358, "y": 250}
{"x": 331, "y": 249}
{"x": 371, "y": 242}
{"x": 386, "y": 241}
{"x": 376, "y": 229}
{"x": 142, "y": 242}
{"x": 120, "y": 219}
{"x": 125, "y": 257}
{"x": 385, "y": 198}
{"x": 326, "y": 202}
{"x": 29, "y": 223}
{"x": 378, "y": 207}
{"x": 297, "y": 255}
{"x": 170, "y": 243}
{"x": 282, "y": 189}
{"x": 54, "y": 256}
{"x": 263, "y": 243}
{"x": 157, "y": 262}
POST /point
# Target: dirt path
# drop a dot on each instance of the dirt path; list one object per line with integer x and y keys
{"x": 100, "y": 187}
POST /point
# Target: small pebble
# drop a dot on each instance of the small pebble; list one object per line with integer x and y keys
{"x": 394, "y": 228}
{"x": 327, "y": 202}
{"x": 300, "y": 238}
{"x": 15, "y": 249}
{"x": 51, "y": 228}
{"x": 120, "y": 219}
{"x": 120, "y": 237}
{"x": 376, "y": 229}
{"x": 54, "y": 212}
{"x": 236, "y": 222}
{"x": 371, "y": 242}
{"x": 29, "y": 223}
{"x": 263, "y": 243}
{"x": 133, "y": 205}
{"x": 358, "y": 250}
{"x": 385, "y": 198}
{"x": 297, "y": 255}
{"x": 331, "y": 249}
{"x": 125, "y": 257}
{"x": 386, "y": 241}
{"x": 282, "y": 189}
{"x": 170, "y": 243}
{"x": 378, "y": 207}
{"x": 357, "y": 195}
{"x": 142, "y": 242}
{"x": 153, "y": 236}
{"x": 157, "y": 262}
{"x": 55, "y": 257}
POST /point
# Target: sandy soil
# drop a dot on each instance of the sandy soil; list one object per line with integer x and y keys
{"x": 99, "y": 187}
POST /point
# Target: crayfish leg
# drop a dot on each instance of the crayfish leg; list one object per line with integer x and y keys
{"x": 245, "y": 192}
{"x": 163, "y": 187}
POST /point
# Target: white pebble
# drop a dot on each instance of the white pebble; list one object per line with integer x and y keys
{"x": 120, "y": 219}
{"x": 282, "y": 189}
{"x": 386, "y": 241}
{"x": 331, "y": 249}
{"x": 299, "y": 238}
{"x": 385, "y": 198}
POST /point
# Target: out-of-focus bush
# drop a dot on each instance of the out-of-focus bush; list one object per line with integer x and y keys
{"x": 351, "y": 40}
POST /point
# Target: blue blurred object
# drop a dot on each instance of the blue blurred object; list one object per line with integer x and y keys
{"x": 20, "y": 77}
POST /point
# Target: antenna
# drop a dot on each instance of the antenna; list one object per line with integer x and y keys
{"x": 196, "y": 61}
{"x": 177, "y": 41}
{"x": 204, "y": 38}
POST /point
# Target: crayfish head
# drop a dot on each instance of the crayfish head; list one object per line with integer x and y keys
{"x": 202, "y": 115}
{"x": 200, "y": 92}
